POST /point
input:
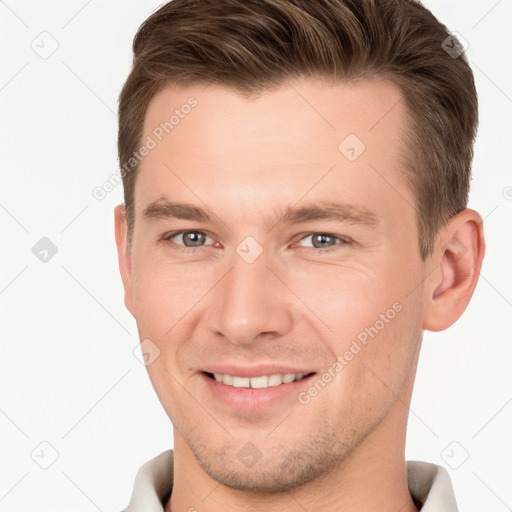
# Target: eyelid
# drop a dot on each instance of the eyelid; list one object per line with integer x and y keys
{"x": 168, "y": 236}
{"x": 344, "y": 240}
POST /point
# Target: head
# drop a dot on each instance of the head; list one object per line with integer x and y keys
{"x": 317, "y": 156}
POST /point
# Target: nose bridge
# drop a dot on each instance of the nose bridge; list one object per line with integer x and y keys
{"x": 250, "y": 301}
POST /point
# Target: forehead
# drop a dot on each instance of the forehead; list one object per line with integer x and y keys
{"x": 293, "y": 112}
{"x": 305, "y": 137}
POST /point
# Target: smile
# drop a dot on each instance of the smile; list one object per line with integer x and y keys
{"x": 261, "y": 382}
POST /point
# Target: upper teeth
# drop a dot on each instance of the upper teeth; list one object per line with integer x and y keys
{"x": 264, "y": 381}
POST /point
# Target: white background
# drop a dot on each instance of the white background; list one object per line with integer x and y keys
{"x": 68, "y": 375}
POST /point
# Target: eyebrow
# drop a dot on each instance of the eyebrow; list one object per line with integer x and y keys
{"x": 163, "y": 209}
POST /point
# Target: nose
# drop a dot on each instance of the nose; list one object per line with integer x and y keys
{"x": 250, "y": 302}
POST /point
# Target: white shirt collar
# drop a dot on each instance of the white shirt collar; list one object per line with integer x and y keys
{"x": 429, "y": 484}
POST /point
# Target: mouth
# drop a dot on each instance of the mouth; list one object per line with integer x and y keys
{"x": 255, "y": 389}
{"x": 257, "y": 382}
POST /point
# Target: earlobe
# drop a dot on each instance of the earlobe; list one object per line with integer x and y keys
{"x": 123, "y": 254}
{"x": 458, "y": 259}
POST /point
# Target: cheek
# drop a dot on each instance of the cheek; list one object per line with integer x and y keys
{"x": 374, "y": 321}
{"x": 164, "y": 296}
{"x": 380, "y": 355}
{"x": 341, "y": 299}
{"x": 168, "y": 300}
{"x": 164, "y": 293}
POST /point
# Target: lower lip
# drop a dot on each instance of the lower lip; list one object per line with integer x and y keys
{"x": 255, "y": 399}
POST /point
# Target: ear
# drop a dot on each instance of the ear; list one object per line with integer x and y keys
{"x": 124, "y": 255}
{"x": 457, "y": 260}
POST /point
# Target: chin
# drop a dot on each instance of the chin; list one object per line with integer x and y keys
{"x": 275, "y": 469}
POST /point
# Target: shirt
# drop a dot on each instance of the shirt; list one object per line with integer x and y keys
{"x": 429, "y": 485}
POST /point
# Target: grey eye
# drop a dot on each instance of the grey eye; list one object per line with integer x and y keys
{"x": 320, "y": 240}
{"x": 190, "y": 238}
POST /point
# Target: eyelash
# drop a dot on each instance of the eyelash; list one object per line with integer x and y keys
{"x": 183, "y": 249}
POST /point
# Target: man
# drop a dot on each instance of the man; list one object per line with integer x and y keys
{"x": 296, "y": 176}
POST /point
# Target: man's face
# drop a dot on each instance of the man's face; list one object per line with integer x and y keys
{"x": 258, "y": 290}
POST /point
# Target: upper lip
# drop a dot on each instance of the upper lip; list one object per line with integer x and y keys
{"x": 237, "y": 370}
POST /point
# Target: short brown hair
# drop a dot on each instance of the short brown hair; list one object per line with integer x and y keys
{"x": 256, "y": 45}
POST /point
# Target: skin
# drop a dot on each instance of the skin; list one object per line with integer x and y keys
{"x": 245, "y": 159}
